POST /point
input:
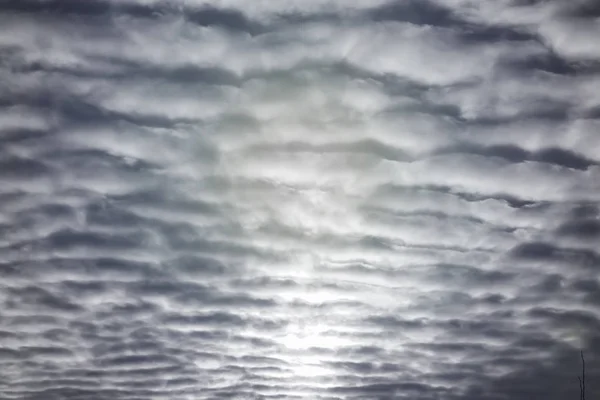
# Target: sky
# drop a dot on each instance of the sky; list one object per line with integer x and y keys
{"x": 299, "y": 199}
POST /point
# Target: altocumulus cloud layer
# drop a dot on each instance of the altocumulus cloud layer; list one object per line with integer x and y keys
{"x": 336, "y": 199}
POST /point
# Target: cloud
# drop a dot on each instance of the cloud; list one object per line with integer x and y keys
{"x": 305, "y": 199}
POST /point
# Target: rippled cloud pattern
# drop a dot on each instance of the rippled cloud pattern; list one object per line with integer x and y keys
{"x": 300, "y": 199}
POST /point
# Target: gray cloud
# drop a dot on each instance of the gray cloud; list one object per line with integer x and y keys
{"x": 318, "y": 199}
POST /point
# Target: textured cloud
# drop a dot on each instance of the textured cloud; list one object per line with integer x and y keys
{"x": 298, "y": 199}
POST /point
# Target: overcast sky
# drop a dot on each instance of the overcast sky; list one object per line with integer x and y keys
{"x": 299, "y": 199}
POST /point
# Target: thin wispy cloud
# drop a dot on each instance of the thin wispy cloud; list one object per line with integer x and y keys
{"x": 301, "y": 199}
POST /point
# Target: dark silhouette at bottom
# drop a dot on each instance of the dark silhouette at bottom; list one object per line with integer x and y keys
{"x": 582, "y": 379}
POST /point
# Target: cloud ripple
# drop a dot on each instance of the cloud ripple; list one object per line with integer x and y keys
{"x": 317, "y": 199}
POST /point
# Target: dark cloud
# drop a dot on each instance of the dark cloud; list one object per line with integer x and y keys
{"x": 38, "y": 297}
{"x": 201, "y": 15}
{"x": 431, "y": 13}
{"x": 557, "y": 156}
{"x": 583, "y": 228}
{"x": 540, "y": 251}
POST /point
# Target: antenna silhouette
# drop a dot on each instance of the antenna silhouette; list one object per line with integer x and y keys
{"x": 582, "y": 379}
